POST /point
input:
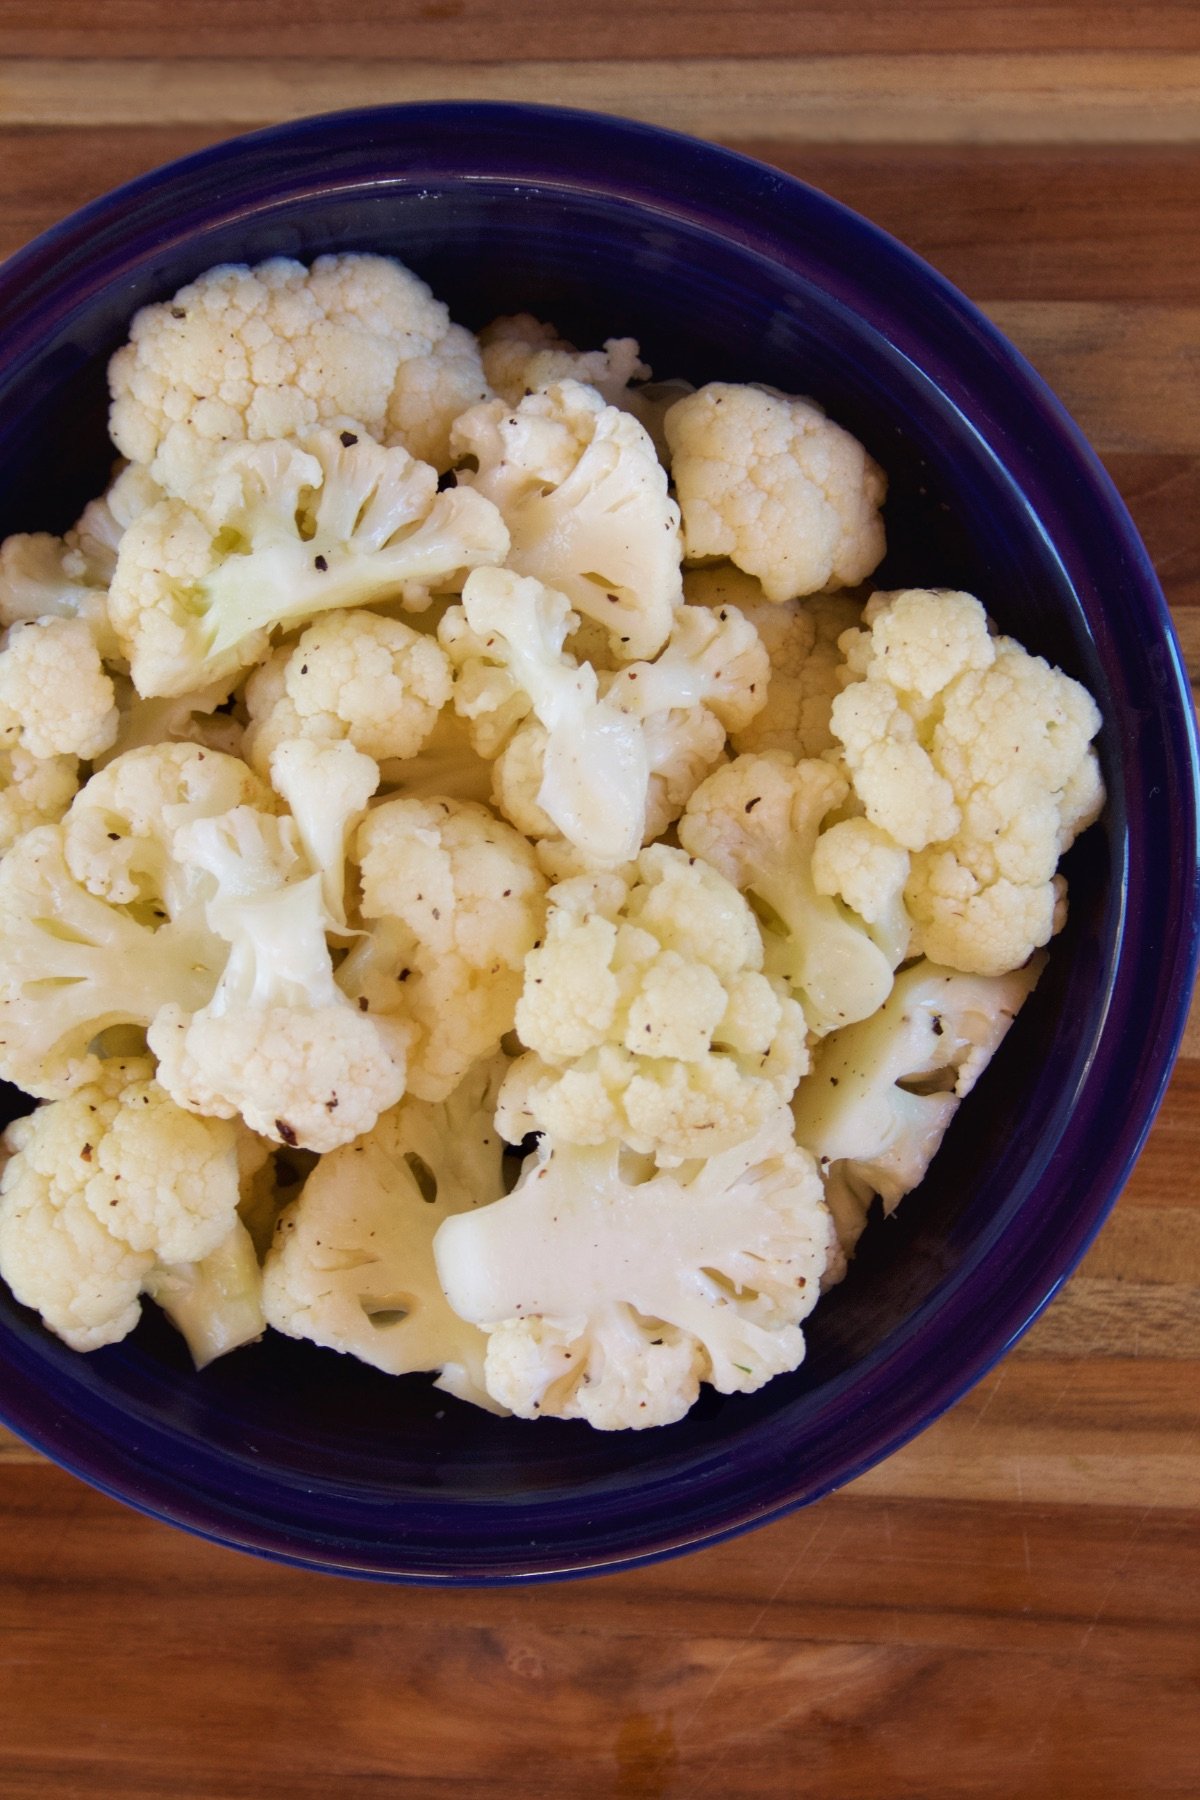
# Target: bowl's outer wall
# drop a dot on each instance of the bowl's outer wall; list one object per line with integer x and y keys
{"x": 722, "y": 268}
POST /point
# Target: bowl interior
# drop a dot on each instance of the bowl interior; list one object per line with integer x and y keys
{"x": 305, "y": 1453}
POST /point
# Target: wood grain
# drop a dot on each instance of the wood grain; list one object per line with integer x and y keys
{"x": 1010, "y": 1605}
{"x": 472, "y": 31}
{"x": 1025, "y": 97}
{"x": 851, "y": 1650}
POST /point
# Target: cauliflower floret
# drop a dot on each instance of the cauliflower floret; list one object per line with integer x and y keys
{"x": 43, "y": 577}
{"x": 55, "y": 699}
{"x": 280, "y": 532}
{"x": 611, "y": 1300}
{"x": 278, "y": 1042}
{"x": 976, "y": 757}
{"x": 647, "y": 1018}
{"x": 767, "y": 480}
{"x": 326, "y": 787}
{"x": 585, "y": 501}
{"x": 431, "y": 392}
{"x": 801, "y": 641}
{"x": 506, "y": 642}
{"x": 711, "y": 676}
{"x": 34, "y": 790}
{"x": 118, "y": 839}
{"x": 454, "y": 900}
{"x": 268, "y": 352}
{"x": 856, "y": 862}
{"x": 883, "y": 1092}
{"x": 353, "y": 675}
{"x": 102, "y": 920}
{"x": 521, "y": 356}
{"x": 756, "y": 820}
{"x": 352, "y": 1265}
{"x": 104, "y": 1188}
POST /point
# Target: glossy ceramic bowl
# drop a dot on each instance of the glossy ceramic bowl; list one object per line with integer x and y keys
{"x": 722, "y": 269}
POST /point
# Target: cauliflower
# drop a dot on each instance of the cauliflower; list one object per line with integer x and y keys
{"x": 101, "y": 921}
{"x": 857, "y": 863}
{"x": 883, "y": 1092}
{"x": 767, "y": 480}
{"x": 429, "y": 394}
{"x": 277, "y": 533}
{"x": 278, "y": 1041}
{"x": 453, "y": 900}
{"x": 118, "y": 839}
{"x": 268, "y": 352}
{"x": 521, "y": 356}
{"x": 353, "y": 675}
{"x": 215, "y": 1303}
{"x": 801, "y": 641}
{"x": 202, "y": 717}
{"x": 104, "y": 1189}
{"x": 647, "y": 1018}
{"x": 585, "y": 500}
{"x": 34, "y": 790}
{"x": 352, "y": 1262}
{"x": 44, "y": 577}
{"x": 326, "y": 787}
{"x": 55, "y": 699}
{"x": 611, "y": 1300}
{"x": 711, "y": 676}
{"x": 975, "y": 757}
{"x": 506, "y": 642}
{"x": 756, "y": 820}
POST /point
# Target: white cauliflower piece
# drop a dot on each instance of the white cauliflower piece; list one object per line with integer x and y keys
{"x": 506, "y": 642}
{"x": 711, "y": 676}
{"x": 326, "y": 787}
{"x": 34, "y": 790}
{"x": 215, "y": 1302}
{"x": 976, "y": 757}
{"x": 269, "y": 352}
{"x": 278, "y": 1042}
{"x": 118, "y": 839}
{"x": 44, "y": 577}
{"x": 101, "y": 923}
{"x": 200, "y": 718}
{"x": 521, "y": 355}
{"x": 277, "y": 533}
{"x": 352, "y": 1264}
{"x": 611, "y": 1300}
{"x": 585, "y": 501}
{"x": 431, "y": 392}
{"x": 882, "y": 1093}
{"x": 757, "y": 820}
{"x": 354, "y": 675}
{"x": 856, "y": 862}
{"x": 801, "y": 641}
{"x": 767, "y": 480}
{"x": 453, "y": 901}
{"x": 647, "y": 1018}
{"x": 104, "y": 1188}
{"x": 55, "y": 698}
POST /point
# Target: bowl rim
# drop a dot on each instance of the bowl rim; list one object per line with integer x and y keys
{"x": 698, "y": 181}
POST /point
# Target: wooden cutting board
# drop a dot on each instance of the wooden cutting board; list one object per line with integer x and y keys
{"x": 1008, "y": 1607}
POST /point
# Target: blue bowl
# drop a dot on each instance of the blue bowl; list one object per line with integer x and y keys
{"x": 723, "y": 269}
